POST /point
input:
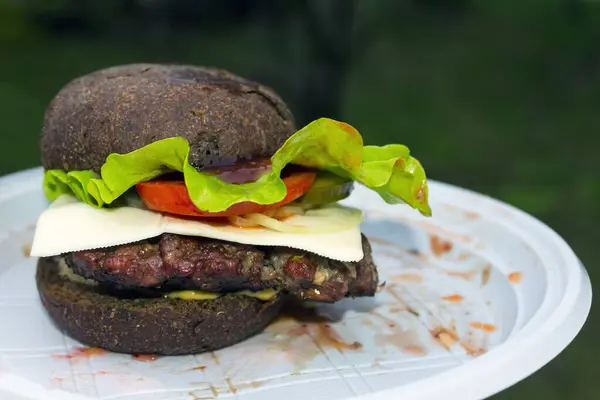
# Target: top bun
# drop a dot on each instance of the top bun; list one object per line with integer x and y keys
{"x": 117, "y": 110}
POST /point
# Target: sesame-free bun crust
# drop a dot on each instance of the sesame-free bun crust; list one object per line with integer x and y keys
{"x": 120, "y": 109}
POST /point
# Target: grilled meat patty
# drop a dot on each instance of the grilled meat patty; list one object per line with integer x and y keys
{"x": 174, "y": 262}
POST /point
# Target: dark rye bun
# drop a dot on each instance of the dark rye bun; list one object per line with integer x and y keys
{"x": 120, "y": 109}
{"x": 149, "y": 326}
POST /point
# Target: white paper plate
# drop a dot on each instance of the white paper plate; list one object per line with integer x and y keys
{"x": 477, "y": 298}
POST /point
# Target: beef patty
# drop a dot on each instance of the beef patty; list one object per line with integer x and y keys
{"x": 174, "y": 262}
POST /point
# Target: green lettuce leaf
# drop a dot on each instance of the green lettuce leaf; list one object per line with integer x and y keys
{"x": 323, "y": 144}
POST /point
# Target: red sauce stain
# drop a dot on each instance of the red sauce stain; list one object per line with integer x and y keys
{"x": 200, "y": 368}
{"x": 105, "y": 373}
{"x": 296, "y": 311}
{"x": 447, "y": 338}
{"x": 515, "y": 277}
{"x": 459, "y": 274}
{"x": 298, "y": 320}
{"x": 472, "y": 215}
{"x": 439, "y": 246}
{"x": 145, "y": 357}
{"x": 196, "y": 396}
{"x": 57, "y": 381}
{"x": 232, "y": 388}
{"x": 435, "y": 230}
{"x": 26, "y": 250}
{"x": 416, "y": 278}
{"x": 414, "y": 349}
{"x": 472, "y": 350}
{"x": 483, "y": 326}
{"x": 485, "y": 274}
{"x": 405, "y": 341}
{"x": 453, "y": 298}
{"x": 81, "y": 352}
{"x": 325, "y": 336}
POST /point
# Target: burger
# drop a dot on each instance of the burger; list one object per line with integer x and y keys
{"x": 185, "y": 207}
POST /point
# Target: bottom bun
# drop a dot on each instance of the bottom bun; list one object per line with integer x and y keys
{"x": 149, "y": 325}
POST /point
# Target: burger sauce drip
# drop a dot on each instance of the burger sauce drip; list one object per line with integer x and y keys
{"x": 144, "y": 357}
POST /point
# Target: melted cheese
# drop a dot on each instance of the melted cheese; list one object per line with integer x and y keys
{"x": 70, "y": 225}
{"x": 66, "y": 272}
{"x": 264, "y": 295}
{"x": 192, "y": 295}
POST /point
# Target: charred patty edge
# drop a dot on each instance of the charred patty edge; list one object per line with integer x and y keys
{"x": 175, "y": 262}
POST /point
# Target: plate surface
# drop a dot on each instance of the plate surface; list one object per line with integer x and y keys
{"x": 476, "y": 298}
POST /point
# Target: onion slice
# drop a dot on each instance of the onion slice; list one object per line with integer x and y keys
{"x": 326, "y": 219}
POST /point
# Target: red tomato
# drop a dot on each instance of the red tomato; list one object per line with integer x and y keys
{"x": 171, "y": 196}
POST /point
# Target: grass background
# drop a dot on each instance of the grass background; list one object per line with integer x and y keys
{"x": 503, "y": 99}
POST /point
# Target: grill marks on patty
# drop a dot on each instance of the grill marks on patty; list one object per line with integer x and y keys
{"x": 172, "y": 262}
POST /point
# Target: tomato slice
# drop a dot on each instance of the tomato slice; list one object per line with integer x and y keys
{"x": 171, "y": 196}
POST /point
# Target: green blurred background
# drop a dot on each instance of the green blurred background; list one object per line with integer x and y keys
{"x": 499, "y": 96}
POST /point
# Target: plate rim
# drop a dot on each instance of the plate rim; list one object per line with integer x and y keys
{"x": 471, "y": 380}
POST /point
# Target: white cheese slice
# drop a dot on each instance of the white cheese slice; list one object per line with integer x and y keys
{"x": 70, "y": 225}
